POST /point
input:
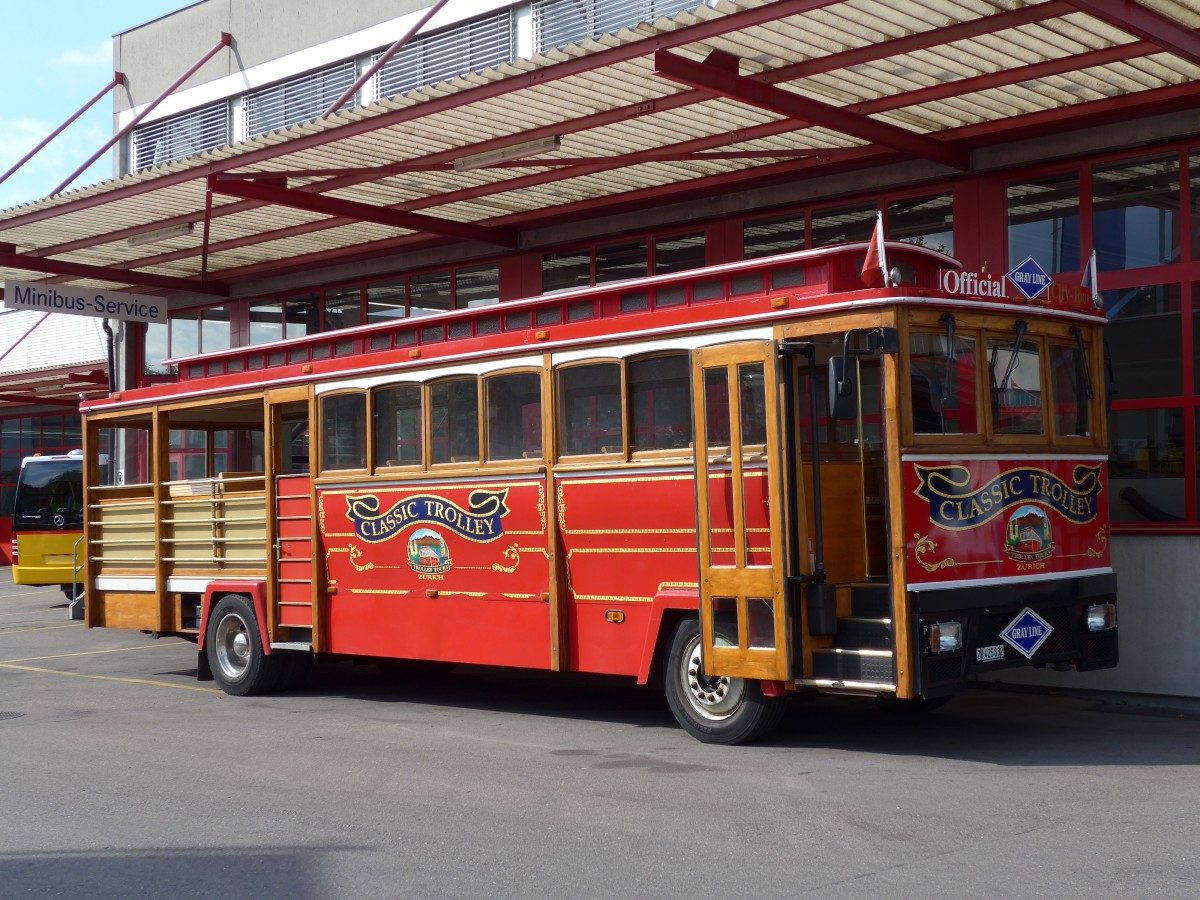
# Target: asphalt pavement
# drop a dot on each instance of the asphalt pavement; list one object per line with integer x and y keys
{"x": 122, "y": 776}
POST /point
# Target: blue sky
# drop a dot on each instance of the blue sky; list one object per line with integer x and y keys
{"x": 58, "y": 55}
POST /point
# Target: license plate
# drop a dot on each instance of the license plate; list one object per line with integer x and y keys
{"x": 989, "y": 654}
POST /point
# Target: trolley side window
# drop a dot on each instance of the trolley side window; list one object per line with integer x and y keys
{"x": 399, "y": 437}
{"x": 1071, "y": 387}
{"x": 344, "y": 431}
{"x": 660, "y": 402}
{"x": 454, "y": 420}
{"x": 514, "y": 416}
{"x": 590, "y": 410}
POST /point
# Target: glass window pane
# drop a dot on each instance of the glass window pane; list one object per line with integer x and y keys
{"x": 725, "y": 622}
{"x": 344, "y": 433}
{"x": 386, "y": 301}
{"x": 155, "y": 349}
{"x": 1043, "y": 222}
{"x": 454, "y": 420}
{"x": 843, "y": 224}
{"x": 753, "y": 401}
{"x": 618, "y": 262}
{"x": 215, "y": 333}
{"x": 561, "y": 271}
{"x": 766, "y": 237}
{"x": 1145, "y": 340}
{"x": 926, "y": 221}
{"x": 514, "y": 407}
{"x": 478, "y": 286}
{"x": 303, "y": 315}
{"x": 430, "y": 293}
{"x": 266, "y": 323}
{"x": 661, "y": 402}
{"x": 761, "y": 619}
{"x": 718, "y": 426}
{"x": 1145, "y": 465}
{"x": 185, "y": 333}
{"x": 343, "y": 308}
{"x": 591, "y": 409}
{"x": 1072, "y": 385}
{"x": 678, "y": 254}
{"x": 398, "y": 436}
{"x": 1135, "y": 213}
{"x": 943, "y": 390}
{"x": 1016, "y": 380}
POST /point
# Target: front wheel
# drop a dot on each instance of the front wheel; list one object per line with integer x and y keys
{"x": 716, "y": 709}
{"x": 239, "y": 664}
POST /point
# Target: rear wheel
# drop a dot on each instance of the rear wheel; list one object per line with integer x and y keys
{"x": 240, "y": 666}
{"x": 716, "y": 709}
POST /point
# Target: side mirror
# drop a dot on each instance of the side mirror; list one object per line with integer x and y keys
{"x": 843, "y": 404}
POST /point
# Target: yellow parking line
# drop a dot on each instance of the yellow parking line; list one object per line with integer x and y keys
{"x": 40, "y": 628}
{"x": 182, "y": 687}
{"x": 92, "y": 652}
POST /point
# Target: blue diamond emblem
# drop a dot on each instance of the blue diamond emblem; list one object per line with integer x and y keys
{"x": 1029, "y": 278}
{"x": 1026, "y": 632}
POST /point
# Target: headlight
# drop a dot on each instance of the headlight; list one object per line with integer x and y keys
{"x": 1101, "y": 617}
{"x": 945, "y": 636}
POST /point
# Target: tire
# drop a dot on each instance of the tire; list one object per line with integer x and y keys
{"x": 235, "y": 651}
{"x": 715, "y": 710}
{"x": 71, "y": 591}
{"x": 294, "y": 669}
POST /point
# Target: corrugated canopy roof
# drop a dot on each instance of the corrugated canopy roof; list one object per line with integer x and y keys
{"x": 696, "y": 103}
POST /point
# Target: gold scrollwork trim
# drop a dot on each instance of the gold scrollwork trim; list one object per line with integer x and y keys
{"x": 355, "y": 556}
{"x": 1094, "y": 552}
{"x": 924, "y": 546}
{"x": 513, "y": 553}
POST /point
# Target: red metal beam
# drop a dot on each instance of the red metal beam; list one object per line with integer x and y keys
{"x": 34, "y": 400}
{"x": 118, "y": 78}
{"x": 225, "y": 41}
{"x": 718, "y": 76}
{"x": 363, "y": 212}
{"x": 9, "y": 257}
{"x": 1146, "y": 24}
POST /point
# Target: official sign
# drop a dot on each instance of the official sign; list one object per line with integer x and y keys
{"x": 75, "y": 301}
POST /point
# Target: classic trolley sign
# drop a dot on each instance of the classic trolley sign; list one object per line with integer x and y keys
{"x": 627, "y": 479}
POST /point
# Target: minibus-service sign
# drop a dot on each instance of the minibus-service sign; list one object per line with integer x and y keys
{"x": 100, "y": 304}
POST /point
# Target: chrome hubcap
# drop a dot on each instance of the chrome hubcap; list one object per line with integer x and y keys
{"x": 233, "y": 647}
{"x": 714, "y": 697}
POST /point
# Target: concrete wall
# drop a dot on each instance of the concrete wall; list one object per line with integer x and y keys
{"x": 1158, "y": 597}
{"x": 154, "y": 55}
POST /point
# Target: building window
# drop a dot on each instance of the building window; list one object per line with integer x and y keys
{"x": 1135, "y": 213}
{"x": 619, "y": 262}
{"x": 266, "y": 322}
{"x": 1043, "y": 222}
{"x": 430, "y": 293}
{"x": 298, "y": 99}
{"x": 302, "y": 315}
{"x": 1144, "y": 337}
{"x": 343, "y": 308}
{"x": 767, "y": 237}
{"x": 477, "y": 286}
{"x": 562, "y": 271}
{"x": 179, "y": 136}
{"x": 843, "y": 224}
{"x": 925, "y": 221}
{"x": 1145, "y": 465}
{"x": 558, "y": 23}
{"x": 480, "y": 44}
{"x": 678, "y": 254}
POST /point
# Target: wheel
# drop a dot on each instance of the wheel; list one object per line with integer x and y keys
{"x": 294, "y": 669}
{"x": 714, "y": 709}
{"x": 235, "y": 650}
{"x": 71, "y": 591}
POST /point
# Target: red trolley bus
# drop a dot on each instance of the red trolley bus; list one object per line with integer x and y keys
{"x": 744, "y": 481}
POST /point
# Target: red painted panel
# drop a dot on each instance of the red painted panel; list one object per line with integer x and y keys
{"x": 299, "y": 616}
{"x": 454, "y": 571}
{"x": 1004, "y": 518}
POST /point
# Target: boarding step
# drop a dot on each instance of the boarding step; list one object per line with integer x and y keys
{"x": 858, "y": 665}
{"x": 864, "y": 633}
{"x": 871, "y": 601}
{"x": 291, "y": 645}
